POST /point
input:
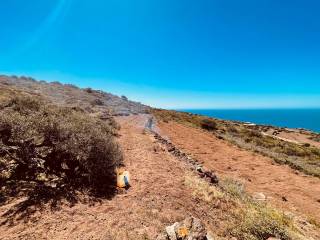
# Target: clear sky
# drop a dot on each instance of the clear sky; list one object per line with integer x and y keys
{"x": 170, "y": 53}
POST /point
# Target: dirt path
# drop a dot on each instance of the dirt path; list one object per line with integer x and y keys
{"x": 157, "y": 198}
{"x": 283, "y": 186}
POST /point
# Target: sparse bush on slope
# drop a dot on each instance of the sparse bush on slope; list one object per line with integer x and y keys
{"x": 55, "y": 147}
{"x": 208, "y": 124}
{"x": 300, "y": 157}
{"x": 243, "y": 217}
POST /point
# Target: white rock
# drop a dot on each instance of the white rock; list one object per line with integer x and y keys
{"x": 170, "y": 230}
{"x": 210, "y": 236}
{"x": 258, "y": 196}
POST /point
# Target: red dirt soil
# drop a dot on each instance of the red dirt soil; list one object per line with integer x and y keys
{"x": 157, "y": 198}
{"x": 259, "y": 174}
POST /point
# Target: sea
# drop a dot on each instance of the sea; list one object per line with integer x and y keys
{"x": 290, "y": 118}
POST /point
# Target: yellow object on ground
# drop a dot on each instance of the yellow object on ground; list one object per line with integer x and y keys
{"x": 123, "y": 178}
{"x": 183, "y": 232}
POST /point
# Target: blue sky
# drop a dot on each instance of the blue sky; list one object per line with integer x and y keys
{"x": 171, "y": 54}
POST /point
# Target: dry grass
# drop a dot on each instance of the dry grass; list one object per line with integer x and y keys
{"x": 304, "y": 158}
{"x": 90, "y": 100}
{"x": 315, "y": 137}
{"x": 243, "y": 218}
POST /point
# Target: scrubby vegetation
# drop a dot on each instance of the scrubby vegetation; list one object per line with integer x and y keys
{"x": 304, "y": 158}
{"x": 243, "y": 217}
{"x": 47, "y": 151}
{"x": 316, "y": 137}
{"x": 92, "y": 101}
{"x": 208, "y": 124}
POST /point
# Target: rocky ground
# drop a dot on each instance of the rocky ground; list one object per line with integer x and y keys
{"x": 283, "y": 186}
{"x": 159, "y": 196}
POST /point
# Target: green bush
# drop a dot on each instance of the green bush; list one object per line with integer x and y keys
{"x": 55, "y": 146}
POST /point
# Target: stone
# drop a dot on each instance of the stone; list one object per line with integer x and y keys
{"x": 210, "y": 236}
{"x": 258, "y": 196}
{"x": 170, "y": 230}
{"x": 189, "y": 229}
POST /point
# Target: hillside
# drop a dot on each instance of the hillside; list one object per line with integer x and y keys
{"x": 61, "y": 146}
{"x": 93, "y": 101}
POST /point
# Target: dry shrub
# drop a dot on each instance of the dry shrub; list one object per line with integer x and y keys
{"x": 55, "y": 146}
{"x": 203, "y": 189}
{"x": 255, "y": 221}
{"x": 246, "y": 219}
{"x": 208, "y": 124}
{"x": 97, "y": 102}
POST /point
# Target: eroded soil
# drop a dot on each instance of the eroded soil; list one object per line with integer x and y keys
{"x": 284, "y": 187}
{"x": 157, "y": 198}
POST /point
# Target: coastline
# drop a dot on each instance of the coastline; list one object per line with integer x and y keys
{"x": 302, "y": 119}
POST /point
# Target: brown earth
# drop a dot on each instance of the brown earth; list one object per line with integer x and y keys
{"x": 157, "y": 198}
{"x": 284, "y": 187}
{"x": 158, "y": 195}
{"x": 294, "y": 136}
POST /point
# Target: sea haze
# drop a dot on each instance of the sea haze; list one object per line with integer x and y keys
{"x": 291, "y": 118}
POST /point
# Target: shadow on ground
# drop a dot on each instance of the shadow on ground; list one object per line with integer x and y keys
{"x": 24, "y": 200}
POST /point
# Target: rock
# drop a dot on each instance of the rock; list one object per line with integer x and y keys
{"x": 170, "y": 230}
{"x": 212, "y": 178}
{"x": 189, "y": 229}
{"x": 199, "y": 169}
{"x": 258, "y": 196}
{"x": 210, "y": 236}
{"x": 273, "y": 238}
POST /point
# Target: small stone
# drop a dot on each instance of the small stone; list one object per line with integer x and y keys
{"x": 258, "y": 196}
{"x": 170, "y": 230}
{"x": 189, "y": 229}
{"x": 210, "y": 236}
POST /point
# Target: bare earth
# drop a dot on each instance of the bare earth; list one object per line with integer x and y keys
{"x": 294, "y": 136}
{"x": 158, "y": 196}
{"x": 156, "y": 199}
{"x": 284, "y": 187}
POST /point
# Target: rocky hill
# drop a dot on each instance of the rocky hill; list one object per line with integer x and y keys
{"x": 92, "y": 101}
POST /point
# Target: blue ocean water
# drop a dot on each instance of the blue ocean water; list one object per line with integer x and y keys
{"x": 291, "y": 118}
